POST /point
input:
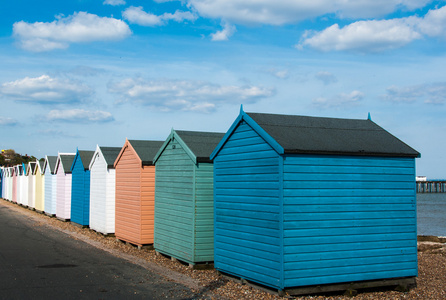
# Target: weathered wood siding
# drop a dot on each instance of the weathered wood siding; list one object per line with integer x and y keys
{"x": 348, "y": 219}
{"x": 40, "y": 190}
{"x": 174, "y": 204}
{"x": 248, "y": 208}
{"x": 80, "y": 193}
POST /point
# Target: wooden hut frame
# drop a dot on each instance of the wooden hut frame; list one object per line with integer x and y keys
{"x": 50, "y": 185}
{"x": 63, "y": 195}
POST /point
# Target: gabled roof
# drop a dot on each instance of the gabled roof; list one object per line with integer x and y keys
{"x": 51, "y": 162}
{"x": 316, "y": 135}
{"x": 145, "y": 150}
{"x": 66, "y": 159}
{"x": 85, "y": 157}
{"x": 41, "y": 166}
{"x": 198, "y": 145}
{"x": 30, "y": 167}
{"x": 108, "y": 153}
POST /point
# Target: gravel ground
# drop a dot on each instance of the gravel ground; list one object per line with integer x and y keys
{"x": 431, "y": 281}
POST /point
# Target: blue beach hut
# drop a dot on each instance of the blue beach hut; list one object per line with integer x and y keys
{"x": 308, "y": 201}
{"x": 80, "y": 187}
{"x": 50, "y": 185}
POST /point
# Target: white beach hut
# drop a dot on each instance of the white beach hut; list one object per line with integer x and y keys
{"x": 102, "y": 189}
{"x": 22, "y": 185}
{"x": 63, "y": 196}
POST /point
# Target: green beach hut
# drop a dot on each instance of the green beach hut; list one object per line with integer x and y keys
{"x": 184, "y": 196}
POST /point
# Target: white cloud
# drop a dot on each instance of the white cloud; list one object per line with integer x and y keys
{"x": 224, "y": 34}
{"x": 5, "y": 121}
{"x": 186, "y": 95}
{"x": 362, "y": 36}
{"x": 341, "y": 100}
{"x": 114, "y": 2}
{"x": 136, "y": 15}
{"x": 45, "y": 89}
{"x": 80, "y": 27}
{"x": 79, "y": 115}
{"x": 281, "y": 12}
{"x": 326, "y": 77}
{"x": 433, "y": 93}
{"x": 377, "y": 35}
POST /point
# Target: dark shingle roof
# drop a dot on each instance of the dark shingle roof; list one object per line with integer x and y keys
{"x": 146, "y": 150}
{"x": 201, "y": 143}
{"x": 301, "y": 134}
{"x": 110, "y": 154}
{"x": 52, "y": 160}
{"x": 32, "y": 166}
{"x": 67, "y": 161}
{"x": 86, "y": 157}
{"x": 41, "y": 165}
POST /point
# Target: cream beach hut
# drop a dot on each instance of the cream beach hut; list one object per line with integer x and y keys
{"x": 40, "y": 185}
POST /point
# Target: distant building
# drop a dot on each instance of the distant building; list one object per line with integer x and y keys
{"x": 421, "y": 178}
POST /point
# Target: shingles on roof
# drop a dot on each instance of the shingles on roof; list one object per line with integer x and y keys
{"x": 201, "y": 143}
{"x": 110, "y": 154}
{"x": 67, "y": 161}
{"x": 146, "y": 150}
{"x": 302, "y": 134}
{"x": 52, "y": 160}
{"x": 86, "y": 157}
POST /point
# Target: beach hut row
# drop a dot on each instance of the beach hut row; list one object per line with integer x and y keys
{"x": 283, "y": 201}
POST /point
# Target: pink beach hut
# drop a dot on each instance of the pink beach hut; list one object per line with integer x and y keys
{"x": 63, "y": 195}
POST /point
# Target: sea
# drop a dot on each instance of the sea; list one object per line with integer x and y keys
{"x": 431, "y": 214}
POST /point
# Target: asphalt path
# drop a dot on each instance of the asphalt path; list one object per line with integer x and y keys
{"x": 38, "y": 262}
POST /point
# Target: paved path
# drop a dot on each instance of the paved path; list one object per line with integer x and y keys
{"x": 38, "y": 262}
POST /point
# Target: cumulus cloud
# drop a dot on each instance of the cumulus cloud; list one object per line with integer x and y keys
{"x": 376, "y": 35}
{"x": 341, "y": 100}
{"x": 185, "y": 95}
{"x": 46, "y": 90}
{"x": 114, "y": 2}
{"x": 136, "y": 15}
{"x": 5, "y": 121}
{"x": 59, "y": 34}
{"x": 79, "y": 116}
{"x": 281, "y": 12}
{"x": 224, "y": 34}
{"x": 326, "y": 77}
{"x": 433, "y": 93}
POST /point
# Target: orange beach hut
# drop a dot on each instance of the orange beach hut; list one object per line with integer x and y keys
{"x": 135, "y": 191}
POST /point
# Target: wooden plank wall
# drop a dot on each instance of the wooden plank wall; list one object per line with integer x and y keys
{"x": 49, "y": 190}
{"x": 174, "y": 205}
{"x": 204, "y": 213}
{"x": 128, "y": 198}
{"x": 98, "y": 195}
{"x": 80, "y": 194}
{"x": 40, "y": 190}
{"x": 348, "y": 219}
{"x": 247, "y": 208}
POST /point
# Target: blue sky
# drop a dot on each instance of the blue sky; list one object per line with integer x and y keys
{"x": 82, "y": 72}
